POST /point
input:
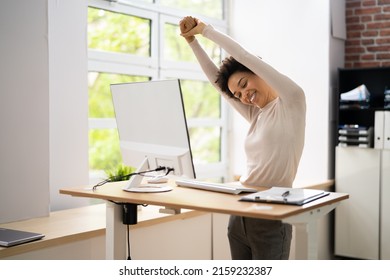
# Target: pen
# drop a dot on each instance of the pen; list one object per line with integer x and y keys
{"x": 286, "y": 193}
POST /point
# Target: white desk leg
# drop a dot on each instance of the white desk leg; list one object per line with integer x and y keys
{"x": 115, "y": 233}
{"x": 306, "y": 231}
{"x": 306, "y": 241}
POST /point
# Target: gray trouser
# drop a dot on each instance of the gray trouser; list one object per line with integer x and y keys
{"x": 258, "y": 239}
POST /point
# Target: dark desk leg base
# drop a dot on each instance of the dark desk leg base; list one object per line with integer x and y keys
{"x": 129, "y": 217}
{"x": 130, "y": 213}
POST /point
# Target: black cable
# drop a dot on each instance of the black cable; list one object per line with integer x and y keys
{"x": 128, "y": 242}
{"x": 118, "y": 178}
{"x": 169, "y": 170}
{"x": 128, "y": 228}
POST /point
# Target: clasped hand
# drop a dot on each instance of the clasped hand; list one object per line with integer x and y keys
{"x": 190, "y": 26}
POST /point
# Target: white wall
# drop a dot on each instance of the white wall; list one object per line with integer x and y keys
{"x": 43, "y": 108}
{"x": 24, "y": 110}
{"x": 294, "y": 37}
{"x": 68, "y": 99}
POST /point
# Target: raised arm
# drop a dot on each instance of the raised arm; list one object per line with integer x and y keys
{"x": 207, "y": 65}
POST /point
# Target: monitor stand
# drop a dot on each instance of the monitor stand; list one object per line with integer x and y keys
{"x": 135, "y": 182}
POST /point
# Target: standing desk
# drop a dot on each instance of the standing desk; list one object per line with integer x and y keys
{"x": 304, "y": 217}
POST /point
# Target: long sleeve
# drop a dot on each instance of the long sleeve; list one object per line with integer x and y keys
{"x": 288, "y": 91}
{"x": 207, "y": 65}
{"x": 281, "y": 83}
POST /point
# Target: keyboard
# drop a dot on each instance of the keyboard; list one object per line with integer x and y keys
{"x": 216, "y": 187}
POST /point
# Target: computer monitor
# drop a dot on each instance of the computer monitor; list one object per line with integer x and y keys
{"x": 152, "y": 129}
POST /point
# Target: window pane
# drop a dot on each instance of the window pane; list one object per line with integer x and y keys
{"x": 206, "y": 144}
{"x": 115, "y": 32}
{"x": 176, "y": 48}
{"x": 201, "y": 100}
{"x": 210, "y": 8}
{"x": 100, "y": 100}
{"x": 104, "y": 150}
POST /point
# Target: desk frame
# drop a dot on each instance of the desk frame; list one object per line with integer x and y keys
{"x": 304, "y": 218}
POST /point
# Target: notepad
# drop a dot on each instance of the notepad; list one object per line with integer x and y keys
{"x": 295, "y": 196}
{"x": 12, "y": 237}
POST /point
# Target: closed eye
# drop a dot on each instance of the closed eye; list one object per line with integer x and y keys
{"x": 241, "y": 84}
{"x": 237, "y": 95}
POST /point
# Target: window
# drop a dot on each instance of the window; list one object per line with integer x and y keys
{"x": 177, "y": 50}
{"x": 111, "y": 31}
{"x": 209, "y": 8}
{"x": 133, "y": 41}
{"x": 104, "y": 152}
{"x": 202, "y": 102}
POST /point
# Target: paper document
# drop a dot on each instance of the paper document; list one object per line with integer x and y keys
{"x": 360, "y": 93}
{"x": 296, "y": 196}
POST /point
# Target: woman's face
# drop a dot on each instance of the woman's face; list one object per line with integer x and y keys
{"x": 250, "y": 89}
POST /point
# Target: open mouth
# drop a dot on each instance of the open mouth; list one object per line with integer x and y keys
{"x": 252, "y": 97}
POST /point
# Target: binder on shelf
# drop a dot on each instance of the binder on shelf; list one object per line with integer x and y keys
{"x": 354, "y": 130}
{"x": 387, "y": 98}
{"x": 358, "y": 98}
{"x": 354, "y": 139}
{"x": 379, "y": 129}
{"x": 360, "y": 145}
{"x": 386, "y": 126}
{"x": 355, "y": 135}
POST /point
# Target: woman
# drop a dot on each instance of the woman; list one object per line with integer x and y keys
{"x": 275, "y": 108}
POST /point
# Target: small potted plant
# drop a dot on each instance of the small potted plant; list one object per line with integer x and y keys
{"x": 120, "y": 173}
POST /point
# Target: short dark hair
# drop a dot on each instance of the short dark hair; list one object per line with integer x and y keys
{"x": 228, "y": 67}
